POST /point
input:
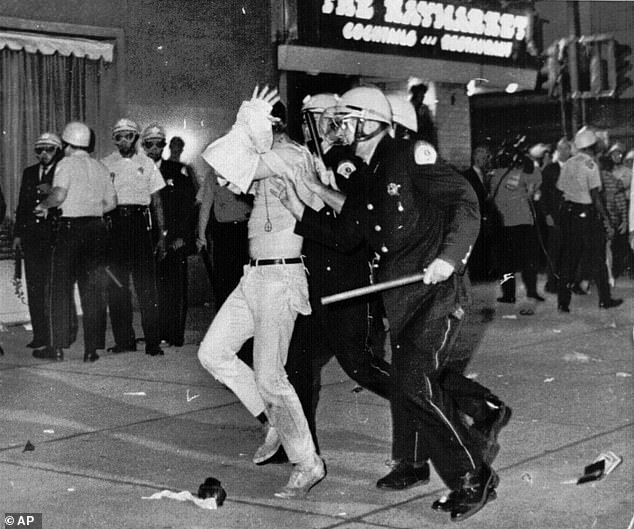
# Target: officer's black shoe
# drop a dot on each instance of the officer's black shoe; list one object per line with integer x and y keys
{"x": 576, "y": 289}
{"x": 535, "y": 296}
{"x": 610, "y": 303}
{"x": 403, "y": 476}
{"x": 473, "y": 494}
{"x": 36, "y": 344}
{"x": 122, "y": 348}
{"x": 91, "y": 356}
{"x": 447, "y": 503}
{"x": 504, "y": 299}
{"x": 278, "y": 458}
{"x": 153, "y": 350}
{"x": 48, "y": 353}
{"x": 563, "y": 308}
{"x": 498, "y": 417}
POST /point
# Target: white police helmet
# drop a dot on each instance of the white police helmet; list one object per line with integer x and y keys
{"x": 319, "y": 102}
{"x": 403, "y": 112}
{"x": 368, "y": 103}
{"x": 154, "y": 131}
{"x": 49, "y": 138}
{"x": 585, "y": 138}
{"x": 125, "y": 125}
{"x": 76, "y": 134}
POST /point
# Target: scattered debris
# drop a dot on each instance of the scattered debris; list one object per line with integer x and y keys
{"x": 28, "y": 447}
{"x": 557, "y": 331}
{"x": 209, "y": 503}
{"x": 49, "y": 431}
{"x": 509, "y": 317}
{"x": 71, "y": 489}
{"x": 601, "y": 467}
{"x": 623, "y": 374}
{"x": 342, "y": 514}
{"x": 549, "y": 379}
{"x": 527, "y": 312}
{"x": 576, "y": 357}
{"x": 212, "y": 488}
{"x": 527, "y": 478}
{"x": 357, "y": 389}
{"x": 472, "y": 376}
{"x": 191, "y": 397}
{"x": 612, "y": 325}
{"x": 135, "y": 393}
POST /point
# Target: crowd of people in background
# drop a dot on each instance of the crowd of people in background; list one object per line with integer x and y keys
{"x": 280, "y": 224}
{"x": 561, "y": 210}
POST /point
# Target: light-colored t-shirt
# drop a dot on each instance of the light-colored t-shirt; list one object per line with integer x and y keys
{"x": 134, "y": 178}
{"x": 87, "y": 183}
{"x": 578, "y": 176}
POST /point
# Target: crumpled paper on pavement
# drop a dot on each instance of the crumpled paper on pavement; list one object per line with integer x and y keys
{"x": 185, "y": 495}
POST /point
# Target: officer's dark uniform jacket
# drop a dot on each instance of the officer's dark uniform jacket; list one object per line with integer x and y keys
{"x": 403, "y": 213}
{"x": 36, "y": 234}
{"x": 177, "y": 198}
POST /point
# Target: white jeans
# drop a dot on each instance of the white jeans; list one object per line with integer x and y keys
{"x": 264, "y": 305}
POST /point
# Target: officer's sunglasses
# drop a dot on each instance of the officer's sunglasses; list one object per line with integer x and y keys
{"x": 148, "y": 144}
{"x": 49, "y": 149}
{"x": 120, "y": 136}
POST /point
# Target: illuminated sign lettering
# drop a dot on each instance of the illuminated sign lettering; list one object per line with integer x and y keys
{"x": 412, "y": 23}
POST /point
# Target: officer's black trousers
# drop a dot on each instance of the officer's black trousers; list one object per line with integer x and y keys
{"x": 230, "y": 253}
{"x": 582, "y": 237}
{"x": 78, "y": 256}
{"x": 172, "y": 291}
{"x": 343, "y": 330}
{"x": 132, "y": 255}
{"x": 37, "y": 250}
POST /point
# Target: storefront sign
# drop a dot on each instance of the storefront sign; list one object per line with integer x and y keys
{"x": 429, "y": 29}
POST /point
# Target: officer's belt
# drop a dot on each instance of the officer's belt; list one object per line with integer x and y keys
{"x": 70, "y": 221}
{"x": 131, "y": 209}
{"x": 576, "y": 206}
{"x": 264, "y": 262}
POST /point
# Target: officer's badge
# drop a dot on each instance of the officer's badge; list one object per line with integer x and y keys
{"x": 345, "y": 168}
{"x": 393, "y": 189}
{"x": 169, "y": 182}
{"x": 424, "y": 153}
{"x": 590, "y": 164}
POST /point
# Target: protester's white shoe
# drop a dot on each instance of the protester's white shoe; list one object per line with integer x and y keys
{"x": 303, "y": 479}
{"x": 272, "y": 443}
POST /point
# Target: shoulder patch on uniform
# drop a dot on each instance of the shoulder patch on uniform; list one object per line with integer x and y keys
{"x": 589, "y": 164}
{"x": 424, "y": 153}
{"x": 346, "y": 168}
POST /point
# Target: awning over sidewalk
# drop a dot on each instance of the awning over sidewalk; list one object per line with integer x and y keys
{"x": 48, "y": 45}
{"x": 321, "y": 60}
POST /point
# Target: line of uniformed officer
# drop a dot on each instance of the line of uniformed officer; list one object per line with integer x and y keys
{"x": 177, "y": 200}
{"x": 33, "y": 235}
{"x": 83, "y": 191}
{"x": 137, "y": 182}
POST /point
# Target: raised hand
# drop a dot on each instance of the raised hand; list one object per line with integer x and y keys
{"x": 265, "y": 94}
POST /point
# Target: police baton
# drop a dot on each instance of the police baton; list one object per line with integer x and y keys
{"x": 371, "y": 289}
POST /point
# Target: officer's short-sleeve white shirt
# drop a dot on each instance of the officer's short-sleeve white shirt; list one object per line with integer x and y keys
{"x": 579, "y": 175}
{"x": 134, "y": 178}
{"x": 87, "y": 184}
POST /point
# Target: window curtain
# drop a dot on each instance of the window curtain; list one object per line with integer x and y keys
{"x": 40, "y": 93}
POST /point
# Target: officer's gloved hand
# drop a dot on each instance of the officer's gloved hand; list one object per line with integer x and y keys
{"x": 438, "y": 271}
{"x": 322, "y": 176}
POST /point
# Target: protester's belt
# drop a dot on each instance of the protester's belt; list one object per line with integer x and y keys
{"x": 79, "y": 219}
{"x": 264, "y": 262}
{"x": 130, "y": 209}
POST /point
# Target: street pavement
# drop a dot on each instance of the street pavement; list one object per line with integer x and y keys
{"x": 109, "y": 434}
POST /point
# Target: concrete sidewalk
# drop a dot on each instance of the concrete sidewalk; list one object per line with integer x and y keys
{"x": 107, "y": 434}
